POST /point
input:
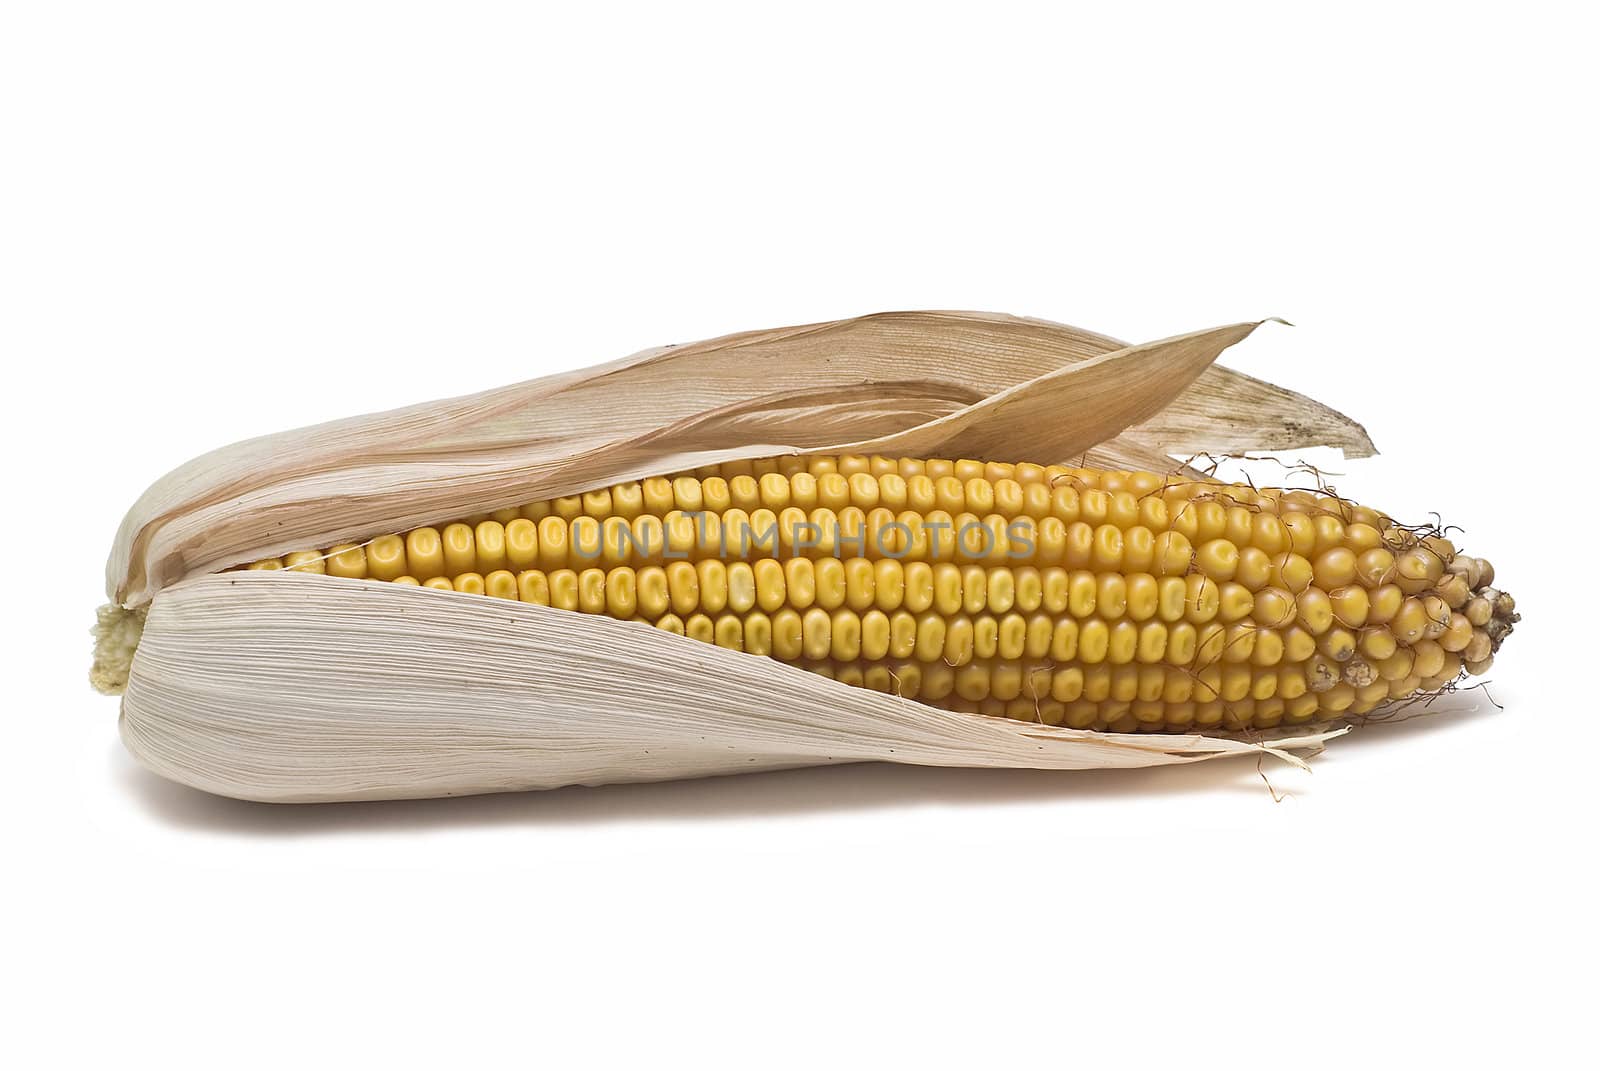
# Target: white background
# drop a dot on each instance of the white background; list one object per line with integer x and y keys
{"x": 224, "y": 219}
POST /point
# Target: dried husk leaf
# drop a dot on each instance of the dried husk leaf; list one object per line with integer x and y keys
{"x": 812, "y": 389}
{"x": 291, "y": 687}
{"x": 284, "y": 686}
{"x": 1228, "y": 412}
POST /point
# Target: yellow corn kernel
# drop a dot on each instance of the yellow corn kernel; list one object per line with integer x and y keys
{"x": 311, "y": 561}
{"x": 386, "y": 558}
{"x": 347, "y": 560}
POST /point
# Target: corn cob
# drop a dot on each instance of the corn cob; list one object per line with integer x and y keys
{"x": 1120, "y": 601}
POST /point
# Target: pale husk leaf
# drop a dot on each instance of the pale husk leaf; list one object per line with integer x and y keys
{"x": 974, "y": 384}
{"x": 292, "y": 687}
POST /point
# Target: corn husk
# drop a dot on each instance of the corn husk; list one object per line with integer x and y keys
{"x": 297, "y": 687}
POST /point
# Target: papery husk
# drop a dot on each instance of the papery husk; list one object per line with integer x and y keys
{"x": 296, "y": 687}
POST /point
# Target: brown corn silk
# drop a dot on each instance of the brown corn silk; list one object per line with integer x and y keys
{"x": 298, "y": 687}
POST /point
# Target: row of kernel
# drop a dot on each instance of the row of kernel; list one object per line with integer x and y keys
{"x": 865, "y": 482}
{"x": 1228, "y": 538}
{"x": 770, "y": 585}
{"x": 1109, "y": 604}
{"x": 941, "y": 609}
{"x": 1205, "y": 712}
{"x": 789, "y": 634}
{"x": 1222, "y": 552}
{"x": 919, "y": 492}
{"x": 947, "y": 589}
{"x": 960, "y": 638}
{"x": 844, "y": 479}
{"x": 1138, "y": 484}
{"x": 1145, "y": 684}
{"x": 555, "y": 543}
{"x": 880, "y": 465}
{"x": 1067, "y": 684}
{"x": 961, "y": 690}
{"x": 1069, "y": 497}
{"x": 772, "y": 490}
{"x": 889, "y": 584}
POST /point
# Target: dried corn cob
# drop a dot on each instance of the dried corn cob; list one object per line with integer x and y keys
{"x": 1069, "y": 600}
{"x": 1106, "y": 600}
